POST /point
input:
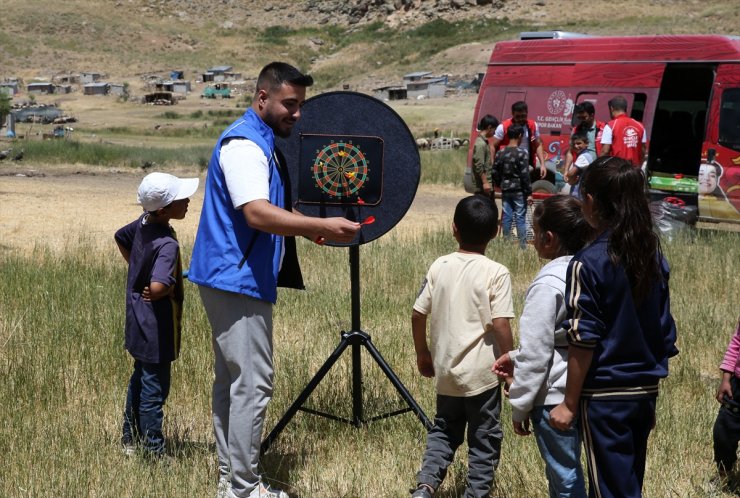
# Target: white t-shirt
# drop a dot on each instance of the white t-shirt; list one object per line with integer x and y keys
{"x": 463, "y": 293}
{"x": 247, "y": 174}
{"x": 246, "y": 170}
{"x": 584, "y": 159}
{"x": 608, "y": 134}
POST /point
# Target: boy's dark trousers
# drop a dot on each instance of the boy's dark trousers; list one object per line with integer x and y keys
{"x": 481, "y": 414}
{"x": 615, "y": 435}
{"x": 727, "y": 430}
{"x": 147, "y": 392}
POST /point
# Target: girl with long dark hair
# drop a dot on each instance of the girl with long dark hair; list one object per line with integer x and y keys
{"x": 620, "y": 329}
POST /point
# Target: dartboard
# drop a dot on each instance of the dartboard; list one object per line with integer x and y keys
{"x": 340, "y": 169}
{"x": 379, "y": 157}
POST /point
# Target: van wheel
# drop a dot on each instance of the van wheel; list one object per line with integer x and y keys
{"x": 544, "y": 187}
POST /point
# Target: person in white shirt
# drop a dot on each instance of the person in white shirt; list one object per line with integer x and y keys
{"x": 469, "y": 299}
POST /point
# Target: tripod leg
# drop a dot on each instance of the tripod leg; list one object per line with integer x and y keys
{"x": 298, "y": 403}
{"x": 357, "y": 419}
{"x": 397, "y": 383}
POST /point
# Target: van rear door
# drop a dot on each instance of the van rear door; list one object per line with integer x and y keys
{"x": 719, "y": 172}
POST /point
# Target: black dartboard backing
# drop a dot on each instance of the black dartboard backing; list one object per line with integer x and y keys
{"x": 351, "y": 155}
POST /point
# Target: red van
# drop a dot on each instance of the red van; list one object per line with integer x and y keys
{"x": 684, "y": 89}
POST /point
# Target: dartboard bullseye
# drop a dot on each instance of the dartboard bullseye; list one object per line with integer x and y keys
{"x": 340, "y": 169}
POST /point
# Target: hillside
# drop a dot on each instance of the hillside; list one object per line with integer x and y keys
{"x": 358, "y": 42}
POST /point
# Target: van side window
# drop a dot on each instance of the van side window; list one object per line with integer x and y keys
{"x": 729, "y": 119}
{"x": 638, "y": 107}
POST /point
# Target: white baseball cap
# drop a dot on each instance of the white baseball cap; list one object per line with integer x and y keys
{"x": 158, "y": 190}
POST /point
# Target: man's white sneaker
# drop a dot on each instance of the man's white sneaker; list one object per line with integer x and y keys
{"x": 224, "y": 488}
{"x": 265, "y": 491}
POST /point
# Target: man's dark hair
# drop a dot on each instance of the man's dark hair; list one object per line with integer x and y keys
{"x": 585, "y": 106}
{"x": 275, "y": 74}
{"x": 487, "y": 121}
{"x": 519, "y": 106}
{"x": 515, "y": 131}
{"x": 618, "y": 104}
{"x": 476, "y": 219}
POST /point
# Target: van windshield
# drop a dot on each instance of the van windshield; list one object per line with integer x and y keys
{"x": 729, "y": 119}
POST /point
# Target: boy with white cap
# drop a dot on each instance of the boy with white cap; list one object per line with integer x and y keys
{"x": 154, "y": 297}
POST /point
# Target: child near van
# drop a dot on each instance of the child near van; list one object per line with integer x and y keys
{"x": 726, "y": 433}
{"x": 511, "y": 173}
{"x": 620, "y": 329}
{"x": 582, "y": 157}
{"x": 154, "y": 297}
{"x": 469, "y": 299}
{"x": 539, "y": 366}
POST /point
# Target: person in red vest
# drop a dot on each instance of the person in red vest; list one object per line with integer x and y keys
{"x": 585, "y": 115}
{"x": 623, "y": 136}
{"x": 530, "y": 142}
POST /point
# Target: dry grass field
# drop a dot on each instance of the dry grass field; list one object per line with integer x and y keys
{"x": 62, "y": 280}
{"x": 65, "y": 371}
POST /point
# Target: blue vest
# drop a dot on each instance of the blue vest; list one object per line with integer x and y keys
{"x": 224, "y": 237}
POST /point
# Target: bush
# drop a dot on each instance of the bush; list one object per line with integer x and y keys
{"x": 170, "y": 115}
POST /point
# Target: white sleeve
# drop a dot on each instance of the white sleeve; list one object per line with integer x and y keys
{"x": 582, "y": 161}
{"x": 644, "y": 136}
{"x": 423, "y": 303}
{"x": 246, "y": 171}
{"x": 536, "y": 132}
{"x": 499, "y": 133}
{"x": 606, "y": 135}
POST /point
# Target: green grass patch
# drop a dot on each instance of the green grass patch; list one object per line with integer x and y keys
{"x": 443, "y": 166}
{"x": 72, "y": 152}
{"x": 437, "y": 167}
{"x": 385, "y": 46}
{"x": 170, "y": 115}
{"x": 199, "y": 114}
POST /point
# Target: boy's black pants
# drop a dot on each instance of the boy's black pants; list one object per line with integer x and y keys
{"x": 481, "y": 414}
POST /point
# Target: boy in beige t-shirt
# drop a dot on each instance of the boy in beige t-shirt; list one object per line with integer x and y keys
{"x": 469, "y": 299}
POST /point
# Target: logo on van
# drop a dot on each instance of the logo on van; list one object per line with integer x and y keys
{"x": 556, "y": 102}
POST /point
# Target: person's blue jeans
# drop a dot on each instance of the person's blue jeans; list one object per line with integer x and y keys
{"x": 561, "y": 451}
{"x": 514, "y": 209}
{"x": 148, "y": 389}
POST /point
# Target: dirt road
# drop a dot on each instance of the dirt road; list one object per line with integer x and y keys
{"x": 63, "y": 205}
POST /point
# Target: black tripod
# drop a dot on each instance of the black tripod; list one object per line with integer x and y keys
{"x": 356, "y": 338}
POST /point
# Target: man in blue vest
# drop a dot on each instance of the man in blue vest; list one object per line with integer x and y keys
{"x": 244, "y": 249}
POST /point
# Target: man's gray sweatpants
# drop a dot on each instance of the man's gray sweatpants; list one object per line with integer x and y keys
{"x": 242, "y": 350}
{"x": 481, "y": 414}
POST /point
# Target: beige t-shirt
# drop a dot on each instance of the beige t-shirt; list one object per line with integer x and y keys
{"x": 464, "y": 293}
